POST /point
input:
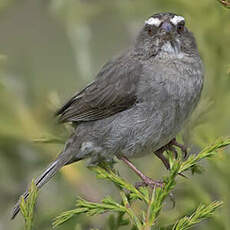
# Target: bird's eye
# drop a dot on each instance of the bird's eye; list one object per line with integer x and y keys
{"x": 150, "y": 31}
{"x": 180, "y": 27}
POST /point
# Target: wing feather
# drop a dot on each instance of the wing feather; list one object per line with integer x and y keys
{"x": 113, "y": 91}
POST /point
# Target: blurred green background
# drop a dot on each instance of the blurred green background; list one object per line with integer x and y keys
{"x": 51, "y": 48}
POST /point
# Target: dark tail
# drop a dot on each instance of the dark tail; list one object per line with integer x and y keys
{"x": 51, "y": 170}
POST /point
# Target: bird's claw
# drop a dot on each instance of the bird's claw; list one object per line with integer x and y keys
{"x": 182, "y": 147}
{"x": 149, "y": 182}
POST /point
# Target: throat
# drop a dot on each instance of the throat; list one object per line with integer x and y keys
{"x": 172, "y": 48}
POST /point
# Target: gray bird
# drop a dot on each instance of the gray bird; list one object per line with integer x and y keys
{"x": 138, "y": 101}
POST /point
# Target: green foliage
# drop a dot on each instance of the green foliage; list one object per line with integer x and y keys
{"x": 206, "y": 152}
{"x": 50, "y": 140}
{"x": 27, "y": 207}
{"x": 153, "y": 199}
{"x": 201, "y": 213}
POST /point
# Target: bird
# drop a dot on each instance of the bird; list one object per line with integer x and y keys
{"x": 138, "y": 102}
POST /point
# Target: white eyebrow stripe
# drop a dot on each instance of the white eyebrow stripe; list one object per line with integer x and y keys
{"x": 153, "y": 21}
{"x": 176, "y": 19}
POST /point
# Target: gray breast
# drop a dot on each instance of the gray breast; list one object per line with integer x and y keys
{"x": 166, "y": 96}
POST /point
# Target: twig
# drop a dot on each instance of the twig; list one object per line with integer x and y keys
{"x": 226, "y": 3}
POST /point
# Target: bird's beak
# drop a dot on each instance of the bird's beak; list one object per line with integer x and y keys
{"x": 167, "y": 27}
{"x": 166, "y": 30}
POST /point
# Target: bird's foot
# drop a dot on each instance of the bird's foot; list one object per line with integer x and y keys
{"x": 170, "y": 147}
{"x": 182, "y": 147}
{"x": 146, "y": 181}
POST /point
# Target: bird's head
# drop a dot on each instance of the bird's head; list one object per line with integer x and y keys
{"x": 166, "y": 33}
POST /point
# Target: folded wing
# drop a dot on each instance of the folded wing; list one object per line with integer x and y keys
{"x": 113, "y": 91}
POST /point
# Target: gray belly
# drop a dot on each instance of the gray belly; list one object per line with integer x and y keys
{"x": 145, "y": 127}
{"x": 153, "y": 123}
{"x": 152, "y": 129}
{"x": 137, "y": 131}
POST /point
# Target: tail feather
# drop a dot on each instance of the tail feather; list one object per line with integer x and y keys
{"x": 39, "y": 182}
{"x": 50, "y": 171}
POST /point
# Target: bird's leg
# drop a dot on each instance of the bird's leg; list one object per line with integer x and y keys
{"x": 160, "y": 155}
{"x": 173, "y": 150}
{"x": 146, "y": 181}
{"x": 170, "y": 147}
{"x": 181, "y": 146}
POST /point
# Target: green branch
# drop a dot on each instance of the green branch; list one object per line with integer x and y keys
{"x": 27, "y": 207}
{"x": 152, "y": 199}
{"x": 201, "y": 213}
{"x": 205, "y": 153}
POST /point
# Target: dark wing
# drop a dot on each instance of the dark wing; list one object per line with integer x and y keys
{"x": 113, "y": 91}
